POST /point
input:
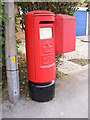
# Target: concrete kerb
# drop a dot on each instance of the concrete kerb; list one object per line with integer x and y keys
{"x": 68, "y": 67}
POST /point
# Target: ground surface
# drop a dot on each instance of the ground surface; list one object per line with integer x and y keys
{"x": 70, "y": 101}
{"x": 71, "y": 95}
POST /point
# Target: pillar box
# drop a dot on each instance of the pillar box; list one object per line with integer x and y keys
{"x": 46, "y": 34}
{"x": 65, "y": 33}
{"x": 40, "y": 54}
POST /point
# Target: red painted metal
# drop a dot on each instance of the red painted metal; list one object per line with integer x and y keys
{"x": 65, "y": 33}
{"x": 40, "y": 54}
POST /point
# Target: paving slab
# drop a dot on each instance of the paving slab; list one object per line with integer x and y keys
{"x": 70, "y": 101}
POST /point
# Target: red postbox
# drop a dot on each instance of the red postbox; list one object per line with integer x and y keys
{"x": 65, "y": 33}
{"x": 40, "y": 54}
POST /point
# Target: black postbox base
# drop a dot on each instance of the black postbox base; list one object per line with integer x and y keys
{"x": 41, "y": 92}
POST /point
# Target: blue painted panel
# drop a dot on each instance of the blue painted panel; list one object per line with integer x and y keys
{"x": 81, "y": 22}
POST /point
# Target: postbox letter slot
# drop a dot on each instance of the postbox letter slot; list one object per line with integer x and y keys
{"x": 46, "y": 22}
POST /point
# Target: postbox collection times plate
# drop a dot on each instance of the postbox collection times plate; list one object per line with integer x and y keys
{"x": 45, "y": 33}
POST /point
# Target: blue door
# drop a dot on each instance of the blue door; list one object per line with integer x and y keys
{"x": 81, "y": 22}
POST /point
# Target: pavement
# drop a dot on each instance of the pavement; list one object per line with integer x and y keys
{"x": 71, "y": 93}
{"x": 70, "y": 101}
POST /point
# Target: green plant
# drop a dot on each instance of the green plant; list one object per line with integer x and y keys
{"x": 88, "y": 5}
{"x": 17, "y": 46}
{"x": 2, "y": 36}
{"x": 56, "y": 7}
{"x": 16, "y": 30}
{"x": 16, "y": 22}
{"x": 57, "y": 59}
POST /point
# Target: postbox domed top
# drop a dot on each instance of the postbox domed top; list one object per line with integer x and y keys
{"x": 40, "y": 12}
